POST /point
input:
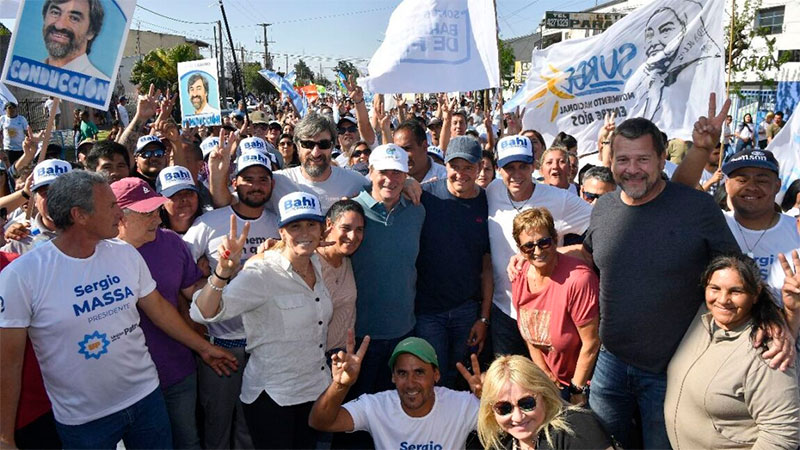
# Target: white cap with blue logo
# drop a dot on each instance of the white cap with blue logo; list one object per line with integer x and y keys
{"x": 299, "y": 206}
{"x": 146, "y": 140}
{"x": 389, "y": 157}
{"x": 514, "y": 148}
{"x": 47, "y": 171}
{"x": 208, "y": 145}
{"x": 254, "y": 143}
{"x": 174, "y": 179}
{"x": 252, "y": 158}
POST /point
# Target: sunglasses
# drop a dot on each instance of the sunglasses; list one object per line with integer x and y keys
{"x": 351, "y": 129}
{"x": 324, "y": 144}
{"x": 589, "y": 196}
{"x": 525, "y": 404}
{"x": 543, "y": 244}
{"x": 158, "y": 153}
{"x": 285, "y": 143}
{"x": 358, "y": 153}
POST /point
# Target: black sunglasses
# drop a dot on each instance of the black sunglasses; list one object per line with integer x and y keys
{"x": 543, "y": 244}
{"x": 158, "y": 153}
{"x": 358, "y": 153}
{"x": 591, "y": 196}
{"x": 324, "y": 144}
{"x": 351, "y": 129}
{"x": 525, "y": 404}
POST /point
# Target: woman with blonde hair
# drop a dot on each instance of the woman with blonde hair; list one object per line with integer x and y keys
{"x": 522, "y": 409}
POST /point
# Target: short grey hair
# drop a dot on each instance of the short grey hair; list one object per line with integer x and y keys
{"x": 313, "y": 124}
{"x": 70, "y": 190}
{"x": 600, "y": 173}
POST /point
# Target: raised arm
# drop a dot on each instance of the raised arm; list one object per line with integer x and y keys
{"x": 145, "y": 109}
{"x": 705, "y": 137}
{"x": 356, "y": 94}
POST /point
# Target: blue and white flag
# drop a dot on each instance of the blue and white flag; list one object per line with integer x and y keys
{"x": 786, "y": 148}
{"x": 659, "y": 62}
{"x": 436, "y": 46}
{"x": 291, "y": 76}
{"x": 283, "y": 85}
{"x": 6, "y": 96}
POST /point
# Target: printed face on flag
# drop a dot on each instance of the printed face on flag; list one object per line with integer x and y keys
{"x": 76, "y": 52}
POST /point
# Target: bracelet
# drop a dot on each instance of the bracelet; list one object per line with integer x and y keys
{"x": 216, "y": 288}
{"x": 575, "y": 390}
{"x": 358, "y": 103}
{"x": 226, "y": 280}
{"x": 25, "y": 195}
{"x": 484, "y": 320}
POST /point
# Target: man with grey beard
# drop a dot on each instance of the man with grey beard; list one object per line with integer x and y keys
{"x": 69, "y": 30}
{"x": 315, "y": 136}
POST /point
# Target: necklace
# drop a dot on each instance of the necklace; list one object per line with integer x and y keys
{"x": 510, "y": 200}
{"x": 744, "y": 239}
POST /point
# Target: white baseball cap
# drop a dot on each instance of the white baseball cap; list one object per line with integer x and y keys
{"x": 174, "y": 179}
{"x": 146, "y": 140}
{"x": 252, "y": 158}
{"x": 255, "y": 144}
{"x": 47, "y": 171}
{"x": 208, "y": 145}
{"x": 299, "y": 206}
{"x": 389, "y": 157}
{"x": 514, "y": 148}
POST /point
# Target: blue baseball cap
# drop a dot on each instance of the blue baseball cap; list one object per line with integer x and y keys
{"x": 763, "y": 159}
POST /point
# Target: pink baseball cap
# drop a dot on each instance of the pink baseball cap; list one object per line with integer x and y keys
{"x": 135, "y": 194}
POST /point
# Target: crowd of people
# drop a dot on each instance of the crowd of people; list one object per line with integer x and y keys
{"x": 425, "y": 277}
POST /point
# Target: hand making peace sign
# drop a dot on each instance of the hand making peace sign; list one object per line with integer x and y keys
{"x": 230, "y": 250}
{"x": 345, "y": 366}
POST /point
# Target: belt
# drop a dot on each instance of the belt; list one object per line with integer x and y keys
{"x": 227, "y": 343}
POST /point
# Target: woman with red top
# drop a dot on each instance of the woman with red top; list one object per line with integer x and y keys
{"x": 556, "y": 299}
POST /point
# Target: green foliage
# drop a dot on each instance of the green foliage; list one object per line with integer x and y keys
{"x": 304, "y": 74}
{"x": 160, "y": 67}
{"x": 745, "y": 55}
{"x": 506, "y": 55}
{"x": 347, "y": 68}
{"x": 254, "y": 82}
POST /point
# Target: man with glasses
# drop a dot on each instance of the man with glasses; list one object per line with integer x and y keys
{"x": 508, "y": 196}
{"x": 150, "y": 158}
{"x": 597, "y": 181}
{"x": 42, "y": 229}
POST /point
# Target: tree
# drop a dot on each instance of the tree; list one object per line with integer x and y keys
{"x": 322, "y": 80}
{"x": 347, "y": 68}
{"x": 160, "y": 67}
{"x": 254, "y": 82}
{"x": 506, "y": 56}
{"x": 304, "y": 74}
{"x": 753, "y": 49}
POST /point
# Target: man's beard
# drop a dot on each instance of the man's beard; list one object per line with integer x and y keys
{"x": 253, "y": 203}
{"x": 197, "y": 101}
{"x": 315, "y": 170}
{"x": 57, "y": 49}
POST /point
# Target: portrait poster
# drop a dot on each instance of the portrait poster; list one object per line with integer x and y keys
{"x": 199, "y": 93}
{"x": 69, "y": 49}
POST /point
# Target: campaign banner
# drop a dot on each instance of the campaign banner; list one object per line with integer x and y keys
{"x": 291, "y": 76}
{"x": 309, "y": 91}
{"x": 286, "y": 88}
{"x": 660, "y": 62}
{"x": 199, "y": 93}
{"x": 786, "y": 148}
{"x": 436, "y": 46}
{"x": 76, "y": 54}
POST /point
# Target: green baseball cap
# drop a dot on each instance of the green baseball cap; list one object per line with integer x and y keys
{"x": 416, "y": 346}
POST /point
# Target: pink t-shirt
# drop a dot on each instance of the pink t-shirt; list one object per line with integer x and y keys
{"x": 549, "y": 318}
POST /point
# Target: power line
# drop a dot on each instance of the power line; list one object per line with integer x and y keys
{"x": 174, "y": 19}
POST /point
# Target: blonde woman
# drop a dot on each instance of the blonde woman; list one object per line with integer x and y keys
{"x": 522, "y": 409}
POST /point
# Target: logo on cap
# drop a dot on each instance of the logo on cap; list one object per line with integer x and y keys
{"x": 253, "y": 144}
{"x": 514, "y": 141}
{"x": 303, "y": 202}
{"x": 178, "y": 175}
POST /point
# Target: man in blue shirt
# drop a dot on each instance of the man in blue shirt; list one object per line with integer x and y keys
{"x": 384, "y": 266}
{"x": 454, "y": 288}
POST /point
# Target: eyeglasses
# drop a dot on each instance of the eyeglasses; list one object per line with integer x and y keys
{"x": 525, "y": 404}
{"x": 358, "y": 153}
{"x": 543, "y": 244}
{"x": 589, "y": 196}
{"x": 324, "y": 144}
{"x": 351, "y": 129}
{"x": 158, "y": 153}
{"x": 285, "y": 143}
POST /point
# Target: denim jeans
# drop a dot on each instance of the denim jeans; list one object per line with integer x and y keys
{"x": 181, "y": 400}
{"x": 448, "y": 332}
{"x": 145, "y": 424}
{"x": 505, "y": 335}
{"x": 617, "y": 388}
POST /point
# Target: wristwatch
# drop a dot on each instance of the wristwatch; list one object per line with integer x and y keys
{"x": 575, "y": 390}
{"x": 484, "y": 320}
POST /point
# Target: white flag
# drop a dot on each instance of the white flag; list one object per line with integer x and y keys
{"x": 436, "y": 46}
{"x": 659, "y": 62}
{"x": 786, "y": 148}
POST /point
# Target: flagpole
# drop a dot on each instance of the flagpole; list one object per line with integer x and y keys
{"x": 730, "y": 70}
{"x": 499, "y": 71}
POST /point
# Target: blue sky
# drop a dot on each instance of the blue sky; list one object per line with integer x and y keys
{"x": 322, "y": 30}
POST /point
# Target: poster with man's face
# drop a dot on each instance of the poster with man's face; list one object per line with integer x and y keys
{"x": 199, "y": 93}
{"x": 69, "y": 49}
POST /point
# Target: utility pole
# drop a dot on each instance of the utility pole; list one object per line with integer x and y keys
{"x": 222, "y": 84}
{"x": 267, "y": 59}
{"x": 287, "y": 63}
{"x": 238, "y": 87}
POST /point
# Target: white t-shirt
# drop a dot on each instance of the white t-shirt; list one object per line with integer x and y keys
{"x": 83, "y": 322}
{"x": 765, "y": 246}
{"x": 341, "y": 183}
{"x": 204, "y": 238}
{"x": 13, "y": 131}
{"x": 707, "y": 176}
{"x": 570, "y": 213}
{"x": 123, "y": 115}
{"x": 49, "y": 104}
{"x": 436, "y": 172}
{"x": 669, "y": 168}
{"x": 453, "y": 417}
